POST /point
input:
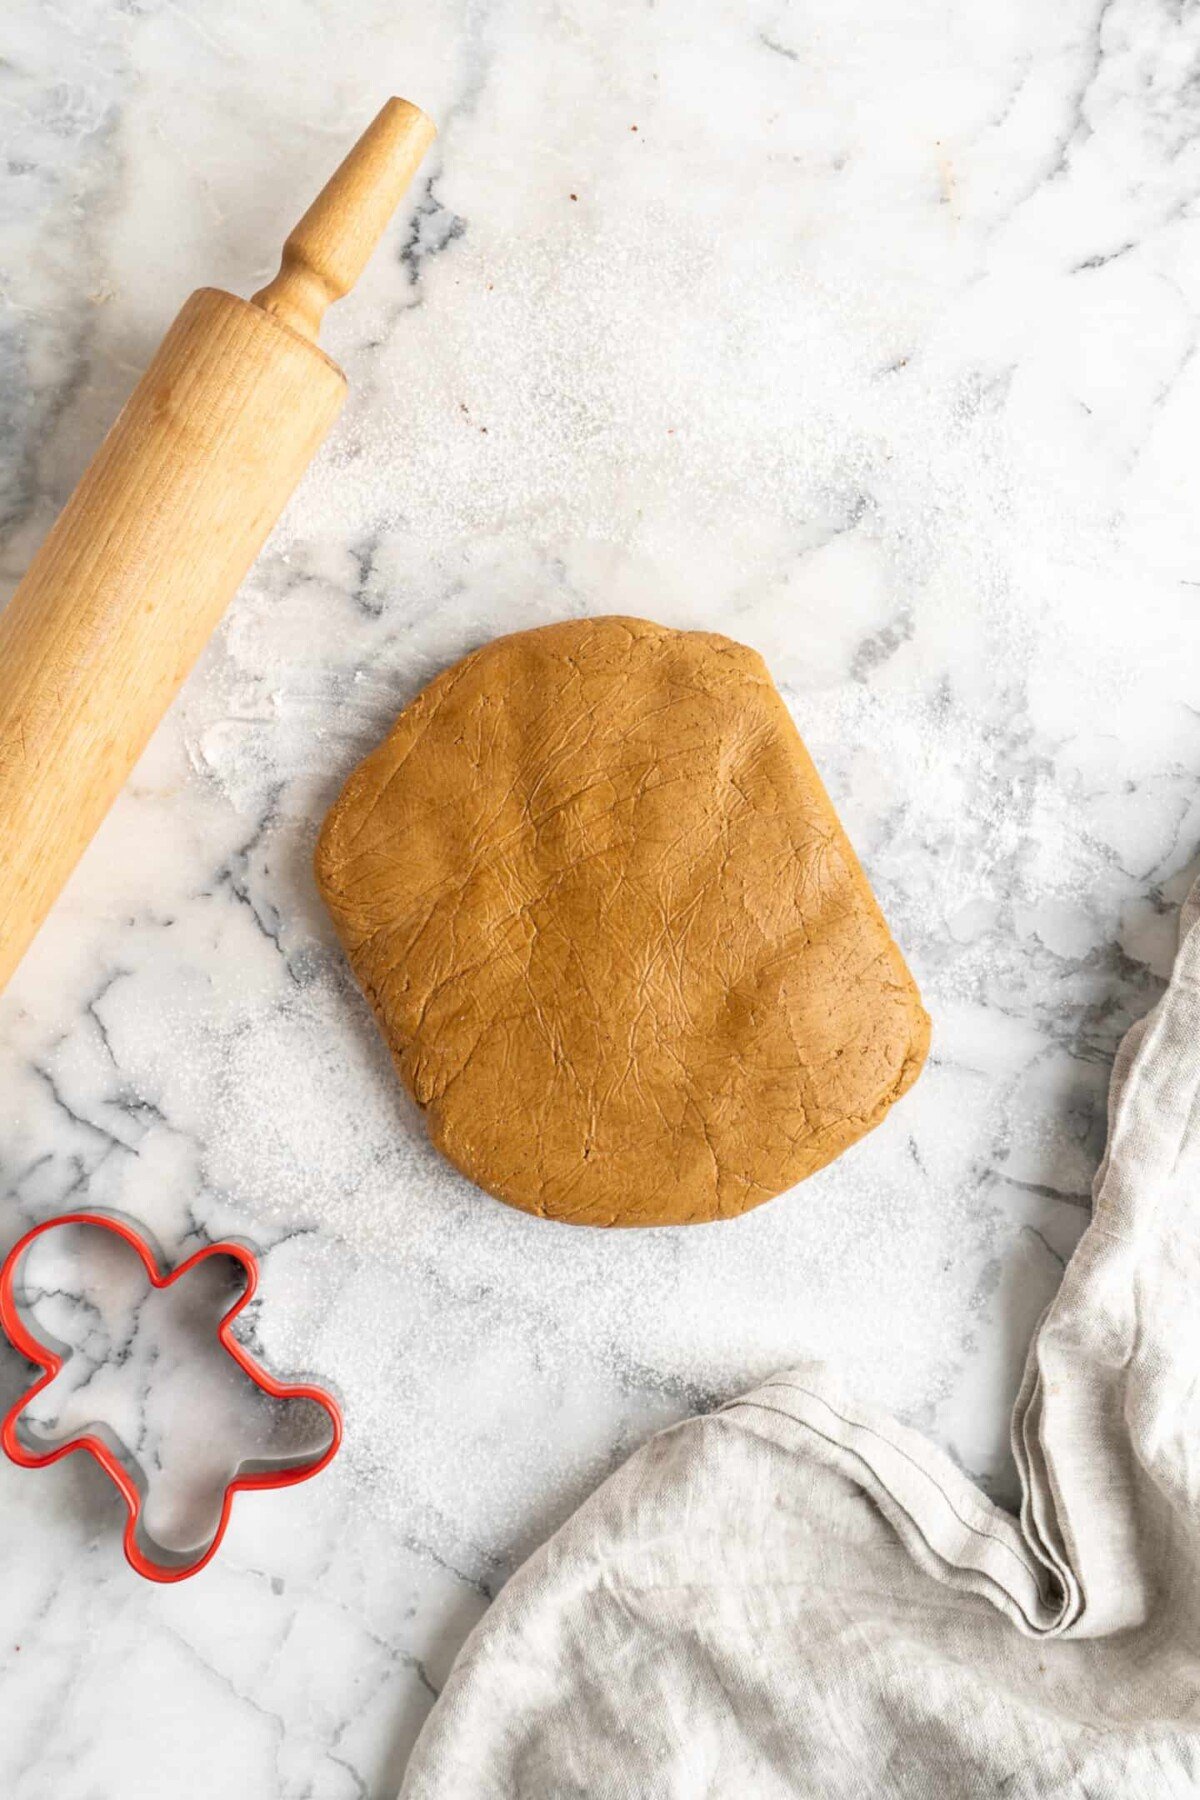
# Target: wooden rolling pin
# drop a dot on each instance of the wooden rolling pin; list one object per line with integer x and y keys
{"x": 126, "y": 590}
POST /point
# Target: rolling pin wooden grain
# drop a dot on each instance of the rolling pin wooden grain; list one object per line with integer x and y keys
{"x": 134, "y": 576}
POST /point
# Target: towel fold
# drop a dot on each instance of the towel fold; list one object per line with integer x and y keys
{"x": 795, "y": 1596}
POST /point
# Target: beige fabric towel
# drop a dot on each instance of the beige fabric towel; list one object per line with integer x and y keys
{"x": 797, "y": 1597}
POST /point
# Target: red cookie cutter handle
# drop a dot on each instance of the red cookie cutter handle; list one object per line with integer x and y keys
{"x": 18, "y": 1333}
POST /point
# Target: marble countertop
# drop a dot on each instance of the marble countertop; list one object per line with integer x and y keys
{"x": 864, "y": 334}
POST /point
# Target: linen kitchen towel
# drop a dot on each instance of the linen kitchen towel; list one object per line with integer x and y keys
{"x": 795, "y": 1596}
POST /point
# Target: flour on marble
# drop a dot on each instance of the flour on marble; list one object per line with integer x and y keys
{"x": 451, "y": 1322}
{"x": 742, "y": 441}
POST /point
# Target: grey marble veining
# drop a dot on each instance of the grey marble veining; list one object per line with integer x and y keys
{"x": 864, "y": 334}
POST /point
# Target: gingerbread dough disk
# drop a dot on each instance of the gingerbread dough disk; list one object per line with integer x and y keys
{"x": 619, "y": 946}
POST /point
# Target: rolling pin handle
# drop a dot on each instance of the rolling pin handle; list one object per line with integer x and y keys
{"x": 329, "y": 249}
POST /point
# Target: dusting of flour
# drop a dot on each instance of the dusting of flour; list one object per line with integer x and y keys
{"x": 644, "y": 422}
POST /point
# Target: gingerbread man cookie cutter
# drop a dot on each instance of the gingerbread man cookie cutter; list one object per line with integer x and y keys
{"x": 155, "y": 1561}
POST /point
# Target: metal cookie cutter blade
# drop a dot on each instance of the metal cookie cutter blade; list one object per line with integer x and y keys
{"x": 154, "y": 1561}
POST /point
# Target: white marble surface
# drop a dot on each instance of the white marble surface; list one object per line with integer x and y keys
{"x": 866, "y": 334}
